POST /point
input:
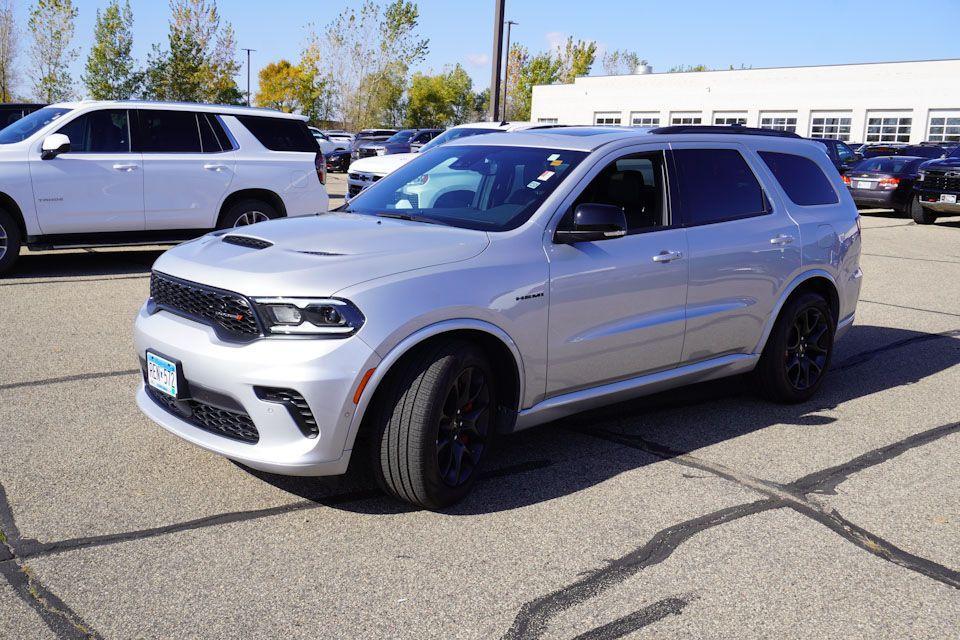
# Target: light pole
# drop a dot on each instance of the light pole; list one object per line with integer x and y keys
{"x": 496, "y": 58}
{"x": 506, "y": 70}
{"x": 248, "y": 73}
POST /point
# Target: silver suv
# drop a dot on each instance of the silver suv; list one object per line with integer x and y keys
{"x": 499, "y": 282}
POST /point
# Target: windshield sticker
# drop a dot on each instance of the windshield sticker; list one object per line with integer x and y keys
{"x": 533, "y": 185}
{"x": 556, "y": 163}
{"x": 546, "y": 175}
{"x": 553, "y": 156}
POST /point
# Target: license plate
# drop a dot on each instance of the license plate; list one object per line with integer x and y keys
{"x": 864, "y": 185}
{"x": 948, "y": 198}
{"x": 162, "y": 374}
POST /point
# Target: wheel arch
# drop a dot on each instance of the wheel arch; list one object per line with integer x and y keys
{"x": 270, "y": 197}
{"x": 503, "y": 351}
{"x": 8, "y": 204}
{"x": 817, "y": 281}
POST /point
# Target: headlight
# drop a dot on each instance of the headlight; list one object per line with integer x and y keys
{"x": 921, "y": 176}
{"x": 309, "y": 316}
{"x": 381, "y": 152}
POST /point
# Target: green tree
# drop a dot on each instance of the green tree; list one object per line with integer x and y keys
{"x": 440, "y": 100}
{"x": 620, "y": 62}
{"x": 51, "y": 26}
{"x": 279, "y": 86}
{"x": 9, "y": 45}
{"x": 111, "y": 72}
{"x": 543, "y": 68}
{"x": 199, "y": 63}
{"x": 576, "y": 59}
{"x": 688, "y": 68}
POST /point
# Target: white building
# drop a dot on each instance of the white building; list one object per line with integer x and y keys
{"x": 875, "y": 102}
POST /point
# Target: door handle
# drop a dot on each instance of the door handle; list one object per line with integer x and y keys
{"x": 215, "y": 167}
{"x": 125, "y": 167}
{"x": 667, "y": 256}
{"x": 781, "y": 239}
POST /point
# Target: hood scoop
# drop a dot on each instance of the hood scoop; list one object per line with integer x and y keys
{"x": 247, "y": 241}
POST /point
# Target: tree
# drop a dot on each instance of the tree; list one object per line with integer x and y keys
{"x": 688, "y": 68}
{"x": 440, "y": 100}
{"x": 621, "y": 62}
{"x": 199, "y": 64}
{"x": 111, "y": 72}
{"x": 294, "y": 89}
{"x": 576, "y": 59}
{"x": 517, "y": 58}
{"x": 51, "y": 27}
{"x": 367, "y": 53}
{"x": 9, "y": 41}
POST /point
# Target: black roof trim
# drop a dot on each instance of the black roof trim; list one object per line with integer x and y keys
{"x": 728, "y": 129}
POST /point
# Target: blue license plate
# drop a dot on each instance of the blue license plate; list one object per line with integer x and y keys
{"x": 162, "y": 374}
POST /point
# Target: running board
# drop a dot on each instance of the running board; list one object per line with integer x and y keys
{"x": 113, "y": 239}
{"x": 569, "y": 403}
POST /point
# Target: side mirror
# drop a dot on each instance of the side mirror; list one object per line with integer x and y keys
{"x": 53, "y": 145}
{"x": 593, "y": 222}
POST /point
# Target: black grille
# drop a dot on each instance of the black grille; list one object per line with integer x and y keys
{"x": 247, "y": 241}
{"x": 940, "y": 181}
{"x": 296, "y": 405}
{"x": 220, "y": 309}
{"x": 364, "y": 152}
{"x": 354, "y": 189}
{"x": 230, "y": 424}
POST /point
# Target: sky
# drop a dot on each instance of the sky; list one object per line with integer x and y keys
{"x": 717, "y": 34}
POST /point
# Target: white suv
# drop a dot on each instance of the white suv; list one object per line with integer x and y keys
{"x": 110, "y": 173}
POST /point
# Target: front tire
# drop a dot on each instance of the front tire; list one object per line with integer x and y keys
{"x": 922, "y": 215}
{"x": 797, "y": 355}
{"x": 10, "y": 241}
{"x": 247, "y": 212}
{"x": 434, "y": 425}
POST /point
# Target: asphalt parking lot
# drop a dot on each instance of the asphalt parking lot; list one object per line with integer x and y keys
{"x": 699, "y": 513}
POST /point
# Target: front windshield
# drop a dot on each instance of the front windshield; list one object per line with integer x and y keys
{"x": 453, "y": 134}
{"x": 402, "y": 136}
{"x": 490, "y": 188}
{"x": 29, "y": 125}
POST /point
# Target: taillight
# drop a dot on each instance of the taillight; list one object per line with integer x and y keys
{"x": 889, "y": 183}
{"x": 321, "y": 166}
{"x": 846, "y": 180}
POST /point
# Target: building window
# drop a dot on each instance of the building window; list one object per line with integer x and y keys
{"x": 547, "y": 120}
{"x": 944, "y": 127}
{"x": 606, "y": 117}
{"x": 735, "y": 119}
{"x": 645, "y": 119}
{"x": 888, "y": 128}
{"x": 685, "y": 118}
{"x": 779, "y": 122}
{"x": 836, "y": 127}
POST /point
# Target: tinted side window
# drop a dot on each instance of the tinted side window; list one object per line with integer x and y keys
{"x": 218, "y": 129}
{"x": 168, "y": 132}
{"x": 280, "y": 134}
{"x": 717, "y": 185}
{"x": 801, "y": 178}
{"x": 99, "y": 132}
{"x": 208, "y": 139}
{"x": 635, "y": 184}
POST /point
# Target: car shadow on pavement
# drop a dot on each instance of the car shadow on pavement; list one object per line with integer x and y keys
{"x": 82, "y": 262}
{"x": 572, "y": 454}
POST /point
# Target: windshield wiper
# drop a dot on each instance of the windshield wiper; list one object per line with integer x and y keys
{"x": 411, "y": 218}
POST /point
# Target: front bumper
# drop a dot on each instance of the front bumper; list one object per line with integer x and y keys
{"x": 325, "y": 372}
{"x": 931, "y": 200}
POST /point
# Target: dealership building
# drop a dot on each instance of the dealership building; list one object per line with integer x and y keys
{"x": 874, "y": 102}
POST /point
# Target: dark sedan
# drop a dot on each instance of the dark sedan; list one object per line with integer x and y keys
{"x": 338, "y": 161}
{"x": 885, "y": 182}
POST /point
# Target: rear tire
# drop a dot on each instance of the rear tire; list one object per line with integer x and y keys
{"x": 922, "y": 215}
{"x": 434, "y": 425}
{"x": 10, "y": 241}
{"x": 247, "y": 212}
{"x": 797, "y": 355}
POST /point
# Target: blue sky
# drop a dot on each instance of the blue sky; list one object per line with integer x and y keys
{"x": 753, "y": 33}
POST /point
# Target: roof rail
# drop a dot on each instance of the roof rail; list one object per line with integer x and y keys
{"x": 735, "y": 130}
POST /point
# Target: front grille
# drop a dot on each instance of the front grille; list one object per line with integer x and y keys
{"x": 940, "y": 181}
{"x": 230, "y": 424}
{"x": 354, "y": 189}
{"x": 296, "y": 406}
{"x": 247, "y": 241}
{"x": 366, "y": 153}
{"x": 224, "y": 310}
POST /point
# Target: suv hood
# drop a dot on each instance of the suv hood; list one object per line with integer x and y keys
{"x": 382, "y": 165}
{"x": 944, "y": 164}
{"x": 318, "y": 255}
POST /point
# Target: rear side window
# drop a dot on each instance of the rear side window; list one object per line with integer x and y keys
{"x": 802, "y": 180}
{"x": 716, "y": 185}
{"x": 168, "y": 132}
{"x": 280, "y": 134}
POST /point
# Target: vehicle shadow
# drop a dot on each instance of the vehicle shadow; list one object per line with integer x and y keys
{"x": 562, "y": 458}
{"x": 81, "y": 262}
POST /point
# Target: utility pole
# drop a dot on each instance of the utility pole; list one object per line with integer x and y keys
{"x": 506, "y": 70}
{"x": 248, "y": 73}
{"x": 496, "y": 58}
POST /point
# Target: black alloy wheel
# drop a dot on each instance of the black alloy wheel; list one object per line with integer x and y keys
{"x": 808, "y": 349}
{"x": 463, "y": 427}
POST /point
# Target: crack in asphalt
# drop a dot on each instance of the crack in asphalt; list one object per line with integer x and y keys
{"x": 73, "y": 378}
{"x": 533, "y": 617}
{"x": 900, "y": 306}
{"x": 885, "y": 255}
{"x": 865, "y": 356}
{"x": 639, "y": 619}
